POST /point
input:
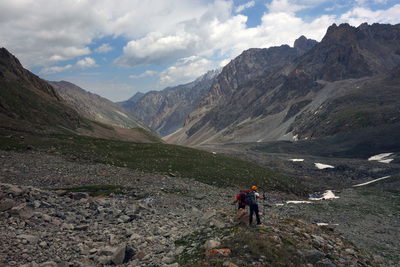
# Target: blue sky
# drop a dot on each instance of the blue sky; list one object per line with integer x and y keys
{"x": 116, "y": 48}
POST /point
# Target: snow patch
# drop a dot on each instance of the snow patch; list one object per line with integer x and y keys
{"x": 384, "y": 158}
{"x": 371, "y": 181}
{"x": 327, "y": 195}
{"x": 297, "y": 201}
{"x": 122, "y": 114}
{"x": 296, "y": 160}
{"x": 325, "y": 224}
{"x": 323, "y": 166}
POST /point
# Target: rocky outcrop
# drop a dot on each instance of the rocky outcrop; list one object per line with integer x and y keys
{"x": 347, "y": 52}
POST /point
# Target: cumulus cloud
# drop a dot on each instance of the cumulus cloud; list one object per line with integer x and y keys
{"x": 55, "y": 69}
{"x": 245, "y": 6}
{"x": 82, "y": 64}
{"x": 278, "y": 6}
{"x": 360, "y": 15}
{"x": 215, "y": 30}
{"x": 147, "y": 73}
{"x": 44, "y": 33}
{"x": 86, "y": 63}
{"x": 185, "y": 70}
{"x": 104, "y": 48}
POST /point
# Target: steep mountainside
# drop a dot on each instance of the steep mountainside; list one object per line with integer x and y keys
{"x": 27, "y": 103}
{"x": 347, "y": 65}
{"x": 30, "y": 105}
{"x": 165, "y": 111}
{"x": 363, "y": 103}
{"x": 244, "y": 69}
{"x": 95, "y": 107}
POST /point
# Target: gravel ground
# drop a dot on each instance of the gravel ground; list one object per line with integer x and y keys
{"x": 369, "y": 220}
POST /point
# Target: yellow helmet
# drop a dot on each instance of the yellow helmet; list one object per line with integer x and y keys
{"x": 254, "y": 188}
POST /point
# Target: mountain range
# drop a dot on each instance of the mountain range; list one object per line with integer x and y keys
{"x": 345, "y": 85}
{"x": 165, "y": 111}
{"x": 346, "y": 82}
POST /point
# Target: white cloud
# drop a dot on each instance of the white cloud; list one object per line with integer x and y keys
{"x": 147, "y": 73}
{"x": 44, "y": 33}
{"x": 278, "y": 6}
{"x": 185, "y": 70}
{"x": 273, "y": 30}
{"x": 55, "y": 69}
{"x": 360, "y": 15}
{"x": 86, "y": 63}
{"x": 82, "y": 64}
{"x": 104, "y": 48}
{"x": 245, "y": 6}
{"x": 215, "y": 30}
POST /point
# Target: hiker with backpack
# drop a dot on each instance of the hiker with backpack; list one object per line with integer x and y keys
{"x": 241, "y": 199}
{"x": 251, "y": 201}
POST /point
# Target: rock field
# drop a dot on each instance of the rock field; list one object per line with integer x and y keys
{"x": 139, "y": 226}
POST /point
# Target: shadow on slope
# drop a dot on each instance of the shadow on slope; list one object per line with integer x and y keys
{"x": 360, "y": 144}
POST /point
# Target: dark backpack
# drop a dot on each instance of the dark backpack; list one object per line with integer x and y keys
{"x": 250, "y": 198}
{"x": 242, "y": 199}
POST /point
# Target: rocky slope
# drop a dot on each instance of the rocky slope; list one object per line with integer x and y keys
{"x": 241, "y": 72}
{"x": 156, "y": 218}
{"x": 165, "y": 111}
{"x": 27, "y": 103}
{"x": 265, "y": 107}
{"x": 95, "y": 107}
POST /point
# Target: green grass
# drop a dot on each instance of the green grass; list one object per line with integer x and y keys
{"x": 157, "y": 158}
{"x": 151, "y": 136}
{"x": 96, "y": 190}
{"x": 247, "y": 245}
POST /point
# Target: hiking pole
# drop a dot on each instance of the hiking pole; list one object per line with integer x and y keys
{"x": 265, "y": 213}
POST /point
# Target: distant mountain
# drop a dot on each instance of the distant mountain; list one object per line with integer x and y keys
{"x": 126, "y": 104}
{"x": 29, "y": 104}
{"x": 165, "y": 111}
{"x": 344, "y": 83}
{"x": 95, "y": 107}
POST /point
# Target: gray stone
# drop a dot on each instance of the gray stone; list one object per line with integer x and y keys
{"x": 24, "y": 211}
{"x": 324, "y": 263}
{"x": 314, "y": 255}
{"x": 14, "y": 190}
{"x": 80, "y": 195}
{"x": 119, "y": 254}
{"x": 30, "y": 238}
{"x": 49, "y": 264}
{"x": 206, "y": 217}
{"x": 211, "y": 244}
{"x": 7, "y": 204}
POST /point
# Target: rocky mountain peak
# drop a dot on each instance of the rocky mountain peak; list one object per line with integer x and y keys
{"x": 344, "y": 34}
{"x": 12, "y": 69}
{"x": 8, "y": 60}
{"x": 304, "y": 44}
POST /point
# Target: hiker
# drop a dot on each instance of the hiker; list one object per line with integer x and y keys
{"x": 241, "y": 199}
{"x": 252, "y": 197}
